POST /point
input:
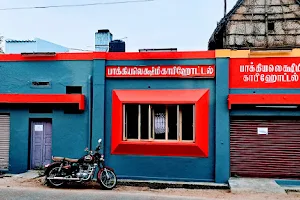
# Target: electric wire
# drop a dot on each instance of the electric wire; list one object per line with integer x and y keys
{"x": 75, "y": 5}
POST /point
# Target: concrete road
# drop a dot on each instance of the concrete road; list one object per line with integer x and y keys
{"x": 23, "y": 193}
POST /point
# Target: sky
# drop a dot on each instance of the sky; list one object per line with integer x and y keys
{"x": 183, "y": 24}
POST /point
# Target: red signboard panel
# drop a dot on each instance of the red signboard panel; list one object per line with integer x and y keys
{"x": 264, "y": 73}
{"x": 201, "y": 71}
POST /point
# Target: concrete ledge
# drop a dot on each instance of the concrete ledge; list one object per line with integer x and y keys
{"x": 172, "y": 184}
{"x": 30, "y": 174}
{"x": 255, "y": 185}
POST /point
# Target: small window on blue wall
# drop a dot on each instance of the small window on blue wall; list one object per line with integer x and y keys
{"x": 40, "y": 84}
{"x": 73, "y": 89}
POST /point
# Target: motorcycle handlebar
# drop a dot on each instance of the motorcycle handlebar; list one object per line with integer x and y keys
{"x": 98, "y": 147}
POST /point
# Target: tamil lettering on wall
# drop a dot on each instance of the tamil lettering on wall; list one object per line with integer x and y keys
{"x": 264, "y": 73}
{"x": 202, "y": 71}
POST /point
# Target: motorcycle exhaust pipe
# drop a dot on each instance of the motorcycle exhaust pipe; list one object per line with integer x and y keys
{"x": 65, "y": 179}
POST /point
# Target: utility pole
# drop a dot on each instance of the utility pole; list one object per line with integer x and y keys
{"x": 225, "y": 7}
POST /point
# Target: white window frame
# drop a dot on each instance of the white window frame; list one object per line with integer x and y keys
{"x": 151, "y": 135}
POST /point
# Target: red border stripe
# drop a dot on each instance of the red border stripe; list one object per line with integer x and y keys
{"x": 58, "y": 56}
{"x": 112, "y": 56}
{"x": 160, "y": 55}
{"x": 44, "y": 98}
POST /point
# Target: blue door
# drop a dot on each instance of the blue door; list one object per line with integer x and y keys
{"x": 41, "y": 143}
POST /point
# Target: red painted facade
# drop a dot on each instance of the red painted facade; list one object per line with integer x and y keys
{"x": 198, "y": 97}
{"x": 263, "y": 136}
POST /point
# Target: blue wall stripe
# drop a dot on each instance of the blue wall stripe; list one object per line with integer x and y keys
{"x": 222, "y": 166}
{"x": 99, "y": 102}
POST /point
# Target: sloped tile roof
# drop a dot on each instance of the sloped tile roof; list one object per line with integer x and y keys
{"x": 227, "y": 17}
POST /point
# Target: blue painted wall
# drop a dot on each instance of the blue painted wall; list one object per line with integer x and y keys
{"x": 222, "y": 120}
{"x": 155, "y": 167}
{"x": 98, "y": 118}
{"x": 70, "y": 131}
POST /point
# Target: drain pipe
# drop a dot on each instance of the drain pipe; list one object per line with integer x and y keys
{"x": 90, "y": 128}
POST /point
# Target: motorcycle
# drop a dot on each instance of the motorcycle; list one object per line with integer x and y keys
{"x": 63, "y": 170}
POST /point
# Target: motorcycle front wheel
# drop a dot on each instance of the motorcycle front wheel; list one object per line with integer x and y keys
{"x": 54, "y": 183}
{"x": 107, "y": 178}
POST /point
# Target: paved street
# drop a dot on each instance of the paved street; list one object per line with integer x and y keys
{"x": 19, "y": 193}
{"x": 27, "y": 187}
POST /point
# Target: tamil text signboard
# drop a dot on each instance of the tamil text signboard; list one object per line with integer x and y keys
{"x": 188, "y": 71}
{"x": 264, "y": 73}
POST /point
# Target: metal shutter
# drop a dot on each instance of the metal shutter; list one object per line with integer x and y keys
{"x": 276, "y": 155}
{"x": 4, "y": 141}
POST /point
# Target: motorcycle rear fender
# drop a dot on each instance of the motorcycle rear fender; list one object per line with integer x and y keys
{"x": 50, "y": 166}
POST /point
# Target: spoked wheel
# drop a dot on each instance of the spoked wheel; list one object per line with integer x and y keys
{"x": 51, "y": 182}
{"x": 107, "y": 179}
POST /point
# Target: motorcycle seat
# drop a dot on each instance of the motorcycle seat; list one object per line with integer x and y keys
{"x": 58, "y": 159}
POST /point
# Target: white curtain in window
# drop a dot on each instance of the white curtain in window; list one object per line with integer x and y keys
{"x": 159, "y": 123}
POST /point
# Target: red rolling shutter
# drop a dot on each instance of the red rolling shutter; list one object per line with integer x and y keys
{"x": 276, "y": 155}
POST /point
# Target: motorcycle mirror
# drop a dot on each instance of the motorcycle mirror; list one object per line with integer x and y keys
{"x": 100, "y": 140}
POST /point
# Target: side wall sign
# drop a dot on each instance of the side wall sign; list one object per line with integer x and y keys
{"x": 201, "y": 71}
{"x": 264, "y": 73}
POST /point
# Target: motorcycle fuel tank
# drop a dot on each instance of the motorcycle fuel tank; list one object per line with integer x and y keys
{"x": 88, "y": 158}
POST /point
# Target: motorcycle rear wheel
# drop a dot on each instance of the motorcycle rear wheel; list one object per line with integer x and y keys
{"x": 54, "y": 183}
{"x": 107, "y": 183}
